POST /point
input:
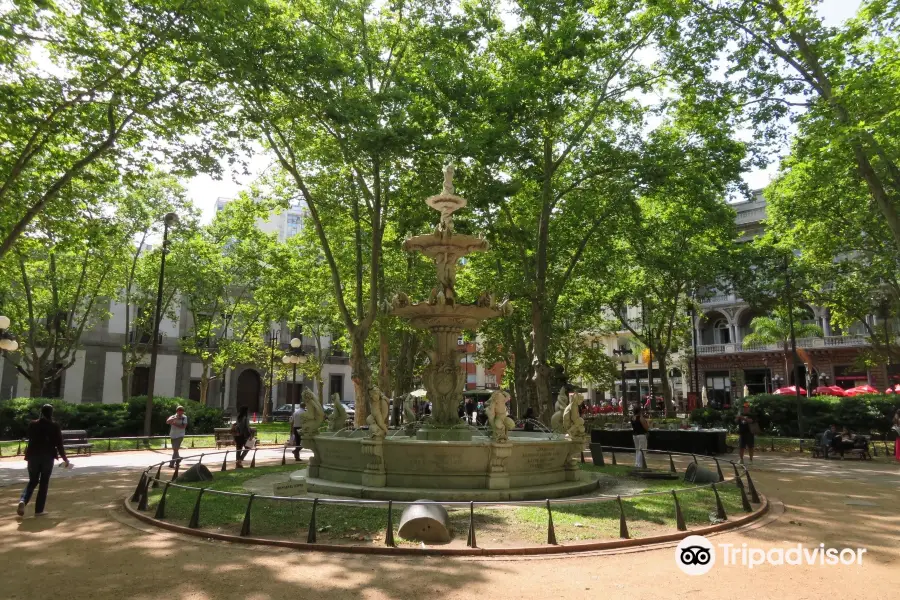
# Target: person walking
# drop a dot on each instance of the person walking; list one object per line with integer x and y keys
{"x": 746, "y": 439}
{"x": 296, "y": 423}
{"x": 177, "y": 427}
{"x": 241, "y": 433}
{"x": 897, "y": 431}
{"x": 640, "y": 426}
{"x": 45, "y": 445}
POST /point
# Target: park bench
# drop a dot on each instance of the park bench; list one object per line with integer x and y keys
{"x": 821, "y": 450}
{"x": 224, "y": 437}
{"x": 77, "y": 440}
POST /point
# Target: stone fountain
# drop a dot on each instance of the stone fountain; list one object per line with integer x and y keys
{"x": 447, "y": 459}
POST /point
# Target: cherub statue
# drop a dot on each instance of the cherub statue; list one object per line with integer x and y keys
{"x": 400, "y": 300}
{"x": 572, "y": 423}
{"x": 485, "y": 300}
{"x": 446, "y": 274}
{"x": 497, "y": 416}
{"x": 338, "y": 419}
{"x": 379, "y": 410}
{"x": 448, "y": 179}
{"x": 562, "y": 401}
{"x": 409, "y": 413}
{"x": 314, "y": 415}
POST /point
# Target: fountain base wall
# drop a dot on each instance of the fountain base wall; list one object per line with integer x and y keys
{"x": 400, "y": 467}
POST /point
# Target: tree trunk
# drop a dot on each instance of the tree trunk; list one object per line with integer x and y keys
{"x": 204, "y": 385}
{"x": 36, "y": 385}
{"x": 384, "y": 368}
{"x": 541, "y": 376}
{"x": 362, "y": 376}
{"x": 666, "y": 387}
{"x": 126, "y": 380}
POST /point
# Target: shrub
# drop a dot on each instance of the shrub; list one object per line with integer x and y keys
{"x": 777, "y": 414}
{"x": 106, "y": 420}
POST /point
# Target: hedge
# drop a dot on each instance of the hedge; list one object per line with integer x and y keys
{"x": 106, "y": 420}
{"x": 777, "y": 415}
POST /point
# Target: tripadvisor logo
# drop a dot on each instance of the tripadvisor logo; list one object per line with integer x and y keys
{"x": 696, "y": 555}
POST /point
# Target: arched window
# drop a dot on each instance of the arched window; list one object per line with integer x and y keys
{"x": 721, "y": 332}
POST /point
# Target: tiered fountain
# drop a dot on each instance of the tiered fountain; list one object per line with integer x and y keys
{"x": 447, "y": 459}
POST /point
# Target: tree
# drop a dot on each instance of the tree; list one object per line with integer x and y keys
{"x": 89, "y": 92}
{"x": 333, "y": 90}
{"x": 143, "y": 203}
{"x": 216, "y": 270}
{"x": 59, "y": 280}
{"x": 776, "y": 329}
{"x": 790, "y": 62}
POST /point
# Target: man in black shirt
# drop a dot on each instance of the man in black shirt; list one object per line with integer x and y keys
{"x": 746, "y": 439}
{"x": 44, "y": 446}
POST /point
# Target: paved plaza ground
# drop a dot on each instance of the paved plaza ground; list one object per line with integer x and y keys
{"x": 88, "y": 548}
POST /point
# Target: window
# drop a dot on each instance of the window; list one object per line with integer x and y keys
{"x": 490, "y": 380}
{"x": 194, "y": 390}
{"x": 140, "y": 381}
{"x": 722, "y": 332}
{"x": 294, "y": 223}
{"x": 595, "y": 345}
{"x": 336, "y": 386}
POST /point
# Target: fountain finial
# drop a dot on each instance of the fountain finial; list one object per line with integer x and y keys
{"x": 448, "y": 178}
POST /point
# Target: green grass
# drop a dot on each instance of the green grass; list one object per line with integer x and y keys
{"x": 599, "y": 520}
{"x": 644, "y": 515}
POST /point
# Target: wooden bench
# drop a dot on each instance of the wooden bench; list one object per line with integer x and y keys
{"x": 821, "y": 450}
{"x": 77, "y": 440}
{"x": 224, "y": 437}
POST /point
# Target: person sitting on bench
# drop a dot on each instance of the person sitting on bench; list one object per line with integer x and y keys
{"x": 828, "y": 436}
{"x": 843, "y": 442}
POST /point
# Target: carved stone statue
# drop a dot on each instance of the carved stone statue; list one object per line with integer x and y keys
{"x": 379, "y": 412}
{"x": 400, "y": 300}
{"x": 446, "y": 275}
{"x": 572, "y": 422}
{"x": 448, "y": 179}
{"x": 313, "y": 417}
{"x": 409, "y": 413}
{"x": 338, "y": 419}
{"x": 497, "y": 416}
{"x": 556, "y": 421}
{"x": 485, "y": 300}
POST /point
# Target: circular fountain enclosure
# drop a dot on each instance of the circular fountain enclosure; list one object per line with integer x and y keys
{"x": 446, "y": 460}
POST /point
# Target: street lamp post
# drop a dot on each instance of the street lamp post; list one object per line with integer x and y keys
{"x": 294, "y": 356}
{"x": 621, "y": 352}
{"x": 273, "y": 339}
{"x": 170, "y": 220}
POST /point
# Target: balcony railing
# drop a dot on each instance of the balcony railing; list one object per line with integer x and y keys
{"x": 750, "y": 216}
{"x": 832, "y": 341}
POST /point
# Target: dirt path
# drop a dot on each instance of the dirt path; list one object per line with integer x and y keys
{"x": 88, "y": 549}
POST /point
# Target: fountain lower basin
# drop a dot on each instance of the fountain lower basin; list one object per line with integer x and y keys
{"x": 529, "y": 466}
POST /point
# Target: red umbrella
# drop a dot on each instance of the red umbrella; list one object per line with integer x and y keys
{"x": 862, "y": 389}
{"x": 826, "y": 390}
{"x": 789, "y": 391}
{"x": 893, "y": 390}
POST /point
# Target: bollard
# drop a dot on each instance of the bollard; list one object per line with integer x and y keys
{"x": 142, "y": 503}
{"x": 192, "y": 443}
{"x": 671, "y": 464}
{"x": 245, "y": 526}
{"x": 874, "y": 449}
{"x": 283, "y": 454}
{"x": 753, "y": 495}
{"x": 582, "y": 456}
{"x": 158, "y": 474}
{"x": 613, "y": 457}
{"x": 276, "y": 439}
{"x": 389, "y": 534}
{"x": 745, "y": 504}
{"x": 470, "y": 542}
{"x": 109, "y": 444}
{"x": 720, "y": 508}
{"x": 253, "y": 461}
{"x": 772, "y": 440}
{"x": 161, "y": 507}
{"x": 737, "y": 476}
{"x": 225, "y": 462}
{"x": 719, "y": 470}
{"x": 311, "y": 534}
{"x": 551, "y": 532}
{"x": 194, "y": 523}
{"x": 623, "y": 526}
{"x": 594, "y": 458}
{"x": 165, "y": 443}
{"x": 643, "y": 459}
{"x": 19, "y": 449}
{"x": 137, "y": 491}
{"x": 679, "y": 517}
